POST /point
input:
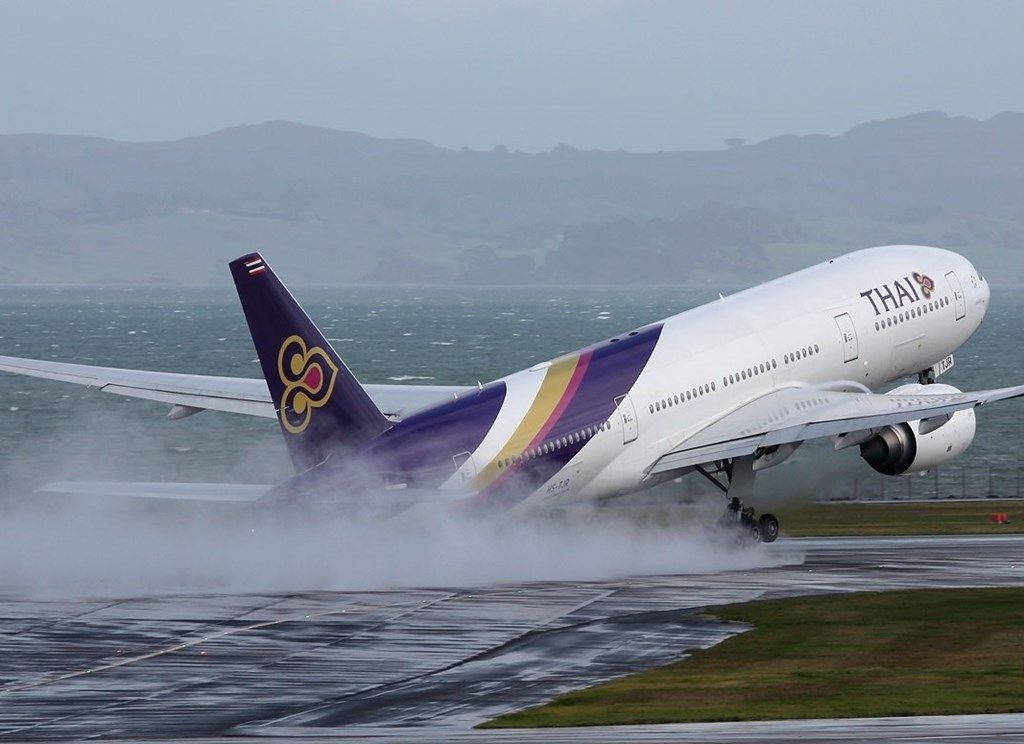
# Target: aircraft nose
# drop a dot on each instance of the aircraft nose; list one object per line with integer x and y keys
{"x": 982, "y": 293}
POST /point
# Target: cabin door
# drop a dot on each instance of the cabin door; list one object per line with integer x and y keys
{"x": 465, "y": 467}
{"x": 958, "y": 294}
{"x": 848, "y": 335}
{"x": 627, "y": 415}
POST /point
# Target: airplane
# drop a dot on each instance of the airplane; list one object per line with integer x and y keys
{"x": 723, "y": 390}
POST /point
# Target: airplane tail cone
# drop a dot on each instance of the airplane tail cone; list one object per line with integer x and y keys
{"x": 321, "y": 406}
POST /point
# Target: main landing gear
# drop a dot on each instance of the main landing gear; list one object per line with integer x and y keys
{"x": 740, "y": 474}
{"x": 760, "y": 529}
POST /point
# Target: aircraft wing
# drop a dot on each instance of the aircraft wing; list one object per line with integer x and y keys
{"x": 793, "y": 415}
{"x": 198, "y": 392}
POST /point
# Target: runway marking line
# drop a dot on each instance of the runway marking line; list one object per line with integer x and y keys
{"x": 176, "y": 647}
{"x": 305, "y": 714}
{"x": 16, "y": 687}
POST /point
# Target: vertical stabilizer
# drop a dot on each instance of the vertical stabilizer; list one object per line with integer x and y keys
{"x": 321, "y": 406}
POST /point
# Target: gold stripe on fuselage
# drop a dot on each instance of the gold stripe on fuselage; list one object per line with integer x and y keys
{"x": 556, "y": 380}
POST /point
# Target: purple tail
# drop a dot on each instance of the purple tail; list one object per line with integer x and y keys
{"x": 321, "y": 406}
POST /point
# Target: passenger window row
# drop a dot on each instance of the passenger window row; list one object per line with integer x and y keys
{"x": 915, "y": 312}
{"x": 750, "y": 372}
{"x": 587, "y": 432}
{"x": 745, "y": 374}
{"x": 679, "y": 398}
{"x": 799, "y": 354}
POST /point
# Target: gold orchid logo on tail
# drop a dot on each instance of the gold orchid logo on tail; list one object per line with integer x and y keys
{"x": 308, "y": 376}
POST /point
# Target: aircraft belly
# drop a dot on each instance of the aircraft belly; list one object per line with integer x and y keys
{"x": 908, "y": 356}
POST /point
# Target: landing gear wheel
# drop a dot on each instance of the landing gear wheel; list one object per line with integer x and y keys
{"x": 769, "y": 525}
{"x": 750, "y": 528}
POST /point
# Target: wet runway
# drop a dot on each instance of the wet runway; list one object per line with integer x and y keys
{"x": 431, "y": 663}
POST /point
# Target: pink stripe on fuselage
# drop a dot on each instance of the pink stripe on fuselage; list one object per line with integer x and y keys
{"x": 570, "y": 391}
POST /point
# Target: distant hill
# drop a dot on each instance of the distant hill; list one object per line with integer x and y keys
{"x": 331, "y": 207}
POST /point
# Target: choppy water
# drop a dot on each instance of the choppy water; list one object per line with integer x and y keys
{"x": 51, "y": 431}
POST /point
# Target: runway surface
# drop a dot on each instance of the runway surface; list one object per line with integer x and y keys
{"x": 431, "y": 663}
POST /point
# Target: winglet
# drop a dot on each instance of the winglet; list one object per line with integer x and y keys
{"x": 320, "y": 404}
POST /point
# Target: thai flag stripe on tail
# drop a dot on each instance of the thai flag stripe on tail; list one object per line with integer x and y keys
{"x": 256, "y": 266}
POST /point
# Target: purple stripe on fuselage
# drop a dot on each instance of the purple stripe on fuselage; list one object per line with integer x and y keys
{"x": 613, "y": 370}
{"x": 419, "y": 449}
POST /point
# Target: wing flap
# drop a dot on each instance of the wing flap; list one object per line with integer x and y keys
{"x": 194, "y": 401}
{"x": 793, "y": 415}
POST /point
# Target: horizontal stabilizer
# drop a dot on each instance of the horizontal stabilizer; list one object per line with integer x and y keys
{"x": 169, "y": 491}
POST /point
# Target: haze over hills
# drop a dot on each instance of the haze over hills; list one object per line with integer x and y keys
{"x": 331, "y": 207}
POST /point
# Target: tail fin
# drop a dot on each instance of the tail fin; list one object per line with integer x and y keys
{"x": 320, "y": 404}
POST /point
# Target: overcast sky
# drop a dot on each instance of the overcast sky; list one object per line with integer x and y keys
{"x": 637, "y": 75}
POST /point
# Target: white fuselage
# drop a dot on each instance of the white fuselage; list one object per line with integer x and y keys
{"x": 859, "y": 321}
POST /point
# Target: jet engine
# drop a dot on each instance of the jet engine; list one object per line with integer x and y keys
{"x": 915, "y": 446}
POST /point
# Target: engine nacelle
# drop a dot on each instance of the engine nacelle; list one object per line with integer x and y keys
{"x": 902, "y": 448}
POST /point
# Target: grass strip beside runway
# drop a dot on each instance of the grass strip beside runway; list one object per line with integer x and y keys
{"x": 918, "y": 652}
{"x": 910, "y": 518}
